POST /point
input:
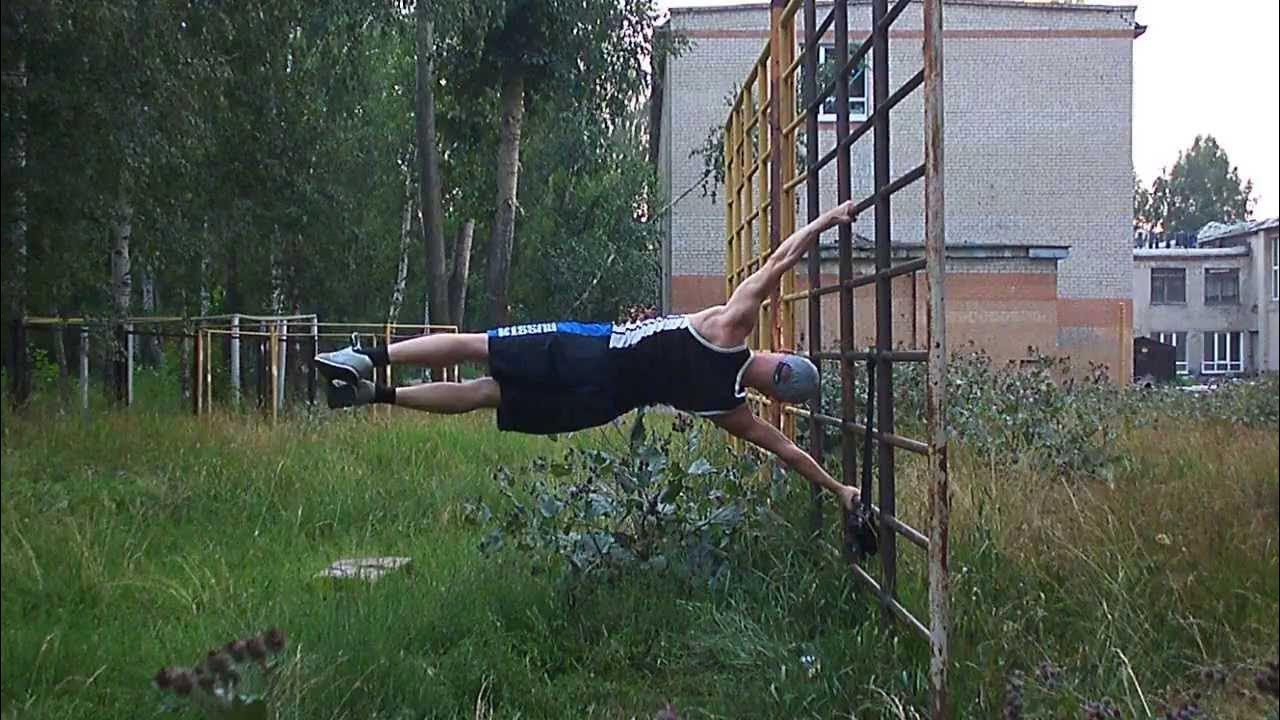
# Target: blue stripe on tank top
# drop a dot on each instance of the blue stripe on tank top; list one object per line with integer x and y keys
{"x": 589, "y": 329}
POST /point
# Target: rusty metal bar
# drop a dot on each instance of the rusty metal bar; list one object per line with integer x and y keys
{"x": 936, "y": 389}
{"x": 844, "y": 241}
{"x": 885, "y": 460}
{"x": 861, "y": 52}
{"x": 868, "y": 124}
{"x": 882, "y": 195}
{"x": 916, "y": 537}
{"x": 891, "y": 603}
{"x": 893, "y": 355}
{"x": 861, "y": 280}
{"x": 812, "y": 200}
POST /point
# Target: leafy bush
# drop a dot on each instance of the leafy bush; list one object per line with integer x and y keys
{"x": 667, "y": 502}
{"x": 1041, "y": 411}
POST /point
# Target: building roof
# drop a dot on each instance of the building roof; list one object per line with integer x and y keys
{"x": 1184, "y": 253}
{"x": 1221, "y": 231}
{"x": 1034, "y": 4}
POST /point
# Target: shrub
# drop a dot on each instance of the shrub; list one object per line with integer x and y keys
{"x": 667, "y": 502}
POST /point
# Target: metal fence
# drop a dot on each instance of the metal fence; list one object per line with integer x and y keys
{"x": 226, "y": 359}
{"x": 762, "y": 176}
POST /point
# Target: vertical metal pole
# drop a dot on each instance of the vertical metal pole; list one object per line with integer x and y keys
{"x": 387, "y": 371}
{"x": 120, "y": 393}
{"x": 786, "y": 157}
{"x": 20, "y": 385}
{"x": 275, "y": 370}
{"x": 197, "y": 371}
{"x": 884, "y": 306}
{"x": 812, "y": 200}
{"x": 84, "y": 369}
{"x": 264, "y": 347}
{"x": 774, "y": 162}
{"x": 844, "y": 192}
{"x": 283, "y": 361}
{"x": 234, "y": 360}
{"x": 129, "y": 343}
{"x": 208, "y": 370}
{"x": 936, "y": 390}
{"x": 315, "y": 350}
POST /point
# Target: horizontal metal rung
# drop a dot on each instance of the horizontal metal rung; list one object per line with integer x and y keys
{"x": 896, "y": 607}
{"x": 897, "y": 441}
{"x": 891, "y": 188}
{"x": 892, "y": 355}
{"x": 863, "y": 127}
{"x": 892, "y": 271}
{"x": 916, "y": 537}
{"x": 863, "y": 49}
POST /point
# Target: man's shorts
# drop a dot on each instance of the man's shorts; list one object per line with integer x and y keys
{"x": 554, "y": 377}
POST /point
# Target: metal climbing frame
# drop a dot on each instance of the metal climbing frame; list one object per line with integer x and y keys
{"x": 762, "y": 177}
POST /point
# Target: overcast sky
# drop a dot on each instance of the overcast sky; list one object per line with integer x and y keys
{"x": 1202, "y": 67}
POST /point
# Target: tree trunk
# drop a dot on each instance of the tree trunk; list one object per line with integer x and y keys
{"x": 498, "y": 275}
{"x": 429, "y": 157}
{"x": 17, "y": 231}
{"x": 461, "y": 267}
{"x": 402, "y": 270}
{"x": 121, "y": 267}
{"x": 656, "y": 80}
{"x": 152, "y": 354}
{"x": 60, "y": 353}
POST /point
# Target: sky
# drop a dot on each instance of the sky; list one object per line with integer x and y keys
{"x": 1209, "y": 68}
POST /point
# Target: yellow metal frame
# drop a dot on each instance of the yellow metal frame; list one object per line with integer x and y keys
{"x": 761, "y": 177}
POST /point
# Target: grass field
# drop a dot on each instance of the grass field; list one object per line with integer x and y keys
{"x": 136, "y": 540}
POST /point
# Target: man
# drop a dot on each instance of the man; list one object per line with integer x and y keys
{"x": 565, "y": 376}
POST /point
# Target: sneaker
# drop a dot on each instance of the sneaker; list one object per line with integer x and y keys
{"x": 344, "y": 394}
{"x": 348, "y": 364}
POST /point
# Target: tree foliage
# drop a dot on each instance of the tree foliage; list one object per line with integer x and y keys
{"x": 1201, "y": 187}
{"x": 262, "y": 150}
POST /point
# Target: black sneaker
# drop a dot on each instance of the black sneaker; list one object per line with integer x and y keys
{"x": 344, "y": 394}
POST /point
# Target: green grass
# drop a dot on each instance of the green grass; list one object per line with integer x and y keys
{"x": 135, "y": 540}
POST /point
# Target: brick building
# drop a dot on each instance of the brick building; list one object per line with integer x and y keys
{"x": 1217, "y": 303}
{"x": 1038, "y": 167}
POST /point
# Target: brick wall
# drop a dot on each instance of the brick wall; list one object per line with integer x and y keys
{"x": 1038, "y": 147}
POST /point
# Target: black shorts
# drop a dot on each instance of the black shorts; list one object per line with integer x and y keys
{"x": 554, "y": 377}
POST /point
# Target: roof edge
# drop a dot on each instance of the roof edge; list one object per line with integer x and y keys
{"x": 1032, "y": 4}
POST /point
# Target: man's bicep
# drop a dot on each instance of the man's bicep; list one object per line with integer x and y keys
{"x": 743, "y": 308}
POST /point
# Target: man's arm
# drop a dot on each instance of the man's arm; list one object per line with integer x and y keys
{"x": 743, "y": 308}
{"x": 744, "y": 424}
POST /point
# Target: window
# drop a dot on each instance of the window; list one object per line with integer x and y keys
{"x": 1221, "y": 286}
{"x": 1168, "y": 286}
{"x": 1275, "y": 268}
{"x": 1179, "y": 342}
{"x": 858, "y": 85}
{"x": 1223, "y": 353}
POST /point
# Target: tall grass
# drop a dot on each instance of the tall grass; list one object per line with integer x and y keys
{"x": 139, "y": 539}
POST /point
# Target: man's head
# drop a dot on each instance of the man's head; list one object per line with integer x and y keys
{"x": 787, "y": 377}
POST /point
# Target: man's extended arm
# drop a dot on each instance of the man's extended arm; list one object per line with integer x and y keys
{"x": 744, "y": 424}
{"x": 744, "y": 307}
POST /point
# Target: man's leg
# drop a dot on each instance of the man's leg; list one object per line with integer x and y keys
{"x": 440, "y": 349}
{"x": 352, "y": 364}
{"x": 448, "y": 397}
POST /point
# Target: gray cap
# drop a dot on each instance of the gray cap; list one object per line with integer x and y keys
{"x": 795, "y": 379}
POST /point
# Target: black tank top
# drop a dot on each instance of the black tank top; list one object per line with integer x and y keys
{"x": 665, "y": 361}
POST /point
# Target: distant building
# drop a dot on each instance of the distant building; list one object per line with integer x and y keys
{"x": 1218, "y": 303}
{"x": 1039, "y": 173}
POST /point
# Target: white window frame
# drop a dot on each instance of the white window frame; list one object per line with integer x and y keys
{"x": 1170, "y": 337}
{"x": 823, "y": 115}
{"x": 1218, "y": 346}
{"x": 1210, "y": 272}
{"x": 1275, "y": 268}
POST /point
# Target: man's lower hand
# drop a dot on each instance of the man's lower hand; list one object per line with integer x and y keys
{"x": 849, "y": 496}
